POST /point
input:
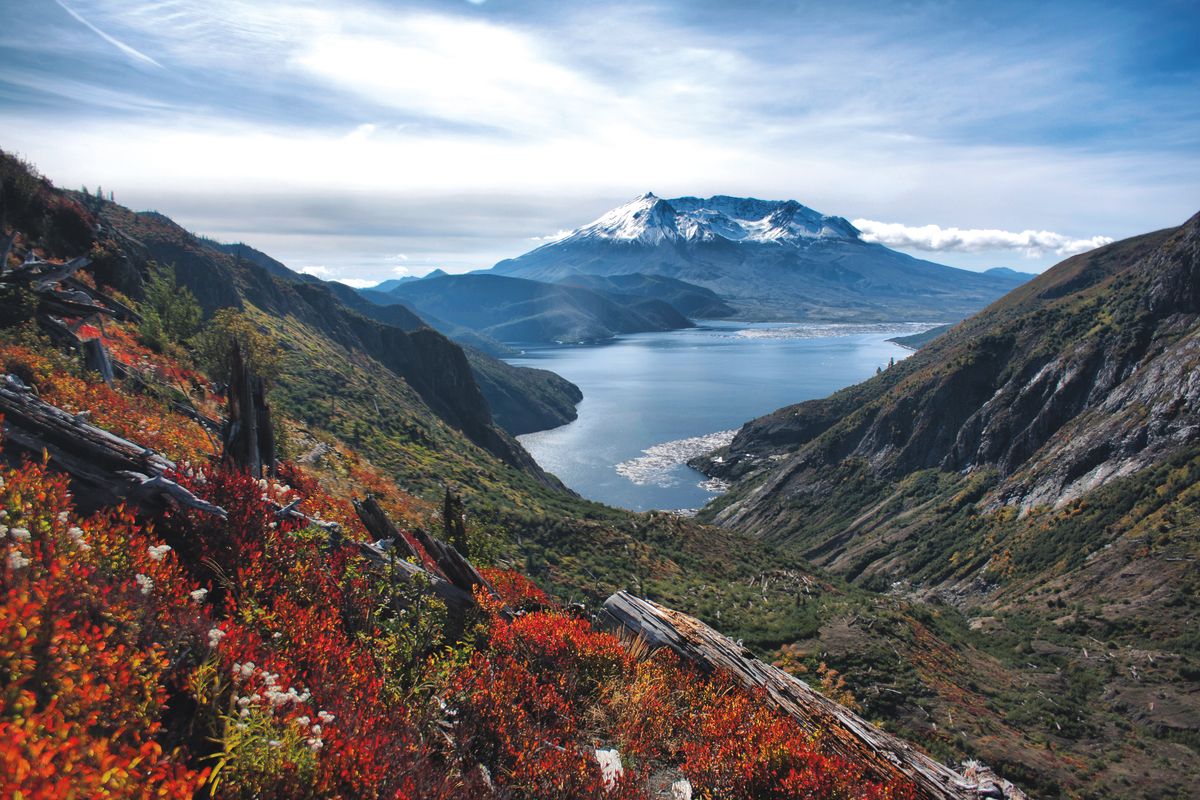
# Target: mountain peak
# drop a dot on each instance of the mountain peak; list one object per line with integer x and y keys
{"x": 649, "y": 219}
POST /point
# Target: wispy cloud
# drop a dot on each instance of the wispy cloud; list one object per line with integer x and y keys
{"x": 317, "y": 271}
{"x": 136, "y": 55}
{"x": 936, "y": 239}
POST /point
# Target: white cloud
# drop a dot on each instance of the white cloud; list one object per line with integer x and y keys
{"x": 936, "y": 239}
{"x": 553, "y": 237}
{"x": 317, "y": 271}
{"x": 358, "y": 283}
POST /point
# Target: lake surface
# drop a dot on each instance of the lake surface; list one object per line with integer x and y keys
{"x": 651, "y": 401}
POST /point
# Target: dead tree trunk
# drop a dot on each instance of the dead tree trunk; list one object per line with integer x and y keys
{"x": 451, "y": 577}
{"x": 249, "y": 439}
{"x": 376, "y": 521}
{"x": 454, "y": 522}
{"x": 452, "y": 564}
{"x": 846, "y": 734}
{"x": 96, "y": 358}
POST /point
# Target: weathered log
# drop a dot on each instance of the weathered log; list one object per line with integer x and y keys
{"x": 376, "y": 521}
{"x": 55, "y": 274}
{"x": 118, "y": 309}
{"x": 62, "y": 304}
{"x": 384, "y": 555}
{"x": 59, "y": 332}
{"x": 96, "y": 358}
{"x": 457, "y": 569}
{"x": 846, "y": 734}
{"x": 43, "y": 274}
{"x": 249, "y": 438}
{"x": 103, "y": 466}
{"x": 147, "y": 485}
{"x": 192, "y": 413}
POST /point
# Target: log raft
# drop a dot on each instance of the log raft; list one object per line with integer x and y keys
{"x": 847, "y": 734}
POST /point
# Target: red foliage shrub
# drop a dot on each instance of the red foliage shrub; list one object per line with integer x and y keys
{"x": 83, "y": 688}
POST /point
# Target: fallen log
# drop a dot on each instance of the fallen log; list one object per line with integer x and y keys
{"x": 61, "y": 304}
{"x": 376, "y": 521}
{"x": 42, "y": 274}
{"x": 58, "y": 331}
{"x": 103, "y": 467}
{"x": 452, "y": 564}
{"x": 845, "y": 733}
{"x": 384, "y": 555}
{"x": 451, "y": 576}
{"x": 118, "y": 309}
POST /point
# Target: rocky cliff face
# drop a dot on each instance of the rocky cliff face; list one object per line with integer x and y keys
{"x": 1085, "y": 374}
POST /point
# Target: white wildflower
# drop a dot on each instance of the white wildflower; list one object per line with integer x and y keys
{"x": 303, "y": 721}
{"x": 610, "y": 767}
{"x": 245, "y": 712}
{"x": 144, "y": 582}
{"x": 215, "y": 635}
{"x": 324, "y": 716}
{"x": 75, "y": 533}
{"x": 314, "y": 744}
{"x": 316, "y": 730}
{"x": 159, "y": 552}
{"x": 62, "y": 517}
{"x": 276, "y": 635}
{"x": 243, "y": 701}
{"x": 20, "y": 534}
{"x": 17, "y": 561}
{"x": 241, "y": 726}
{"x": 198, "y": 595}
{"x": 275, "y": 743}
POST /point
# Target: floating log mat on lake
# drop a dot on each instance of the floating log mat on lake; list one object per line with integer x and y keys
{"x": 846, "y": 734}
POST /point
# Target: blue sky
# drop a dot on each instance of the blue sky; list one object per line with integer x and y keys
{"x": 363, "y": 140}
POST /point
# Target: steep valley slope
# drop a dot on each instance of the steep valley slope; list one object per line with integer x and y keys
{"x": 1035, "y": 467}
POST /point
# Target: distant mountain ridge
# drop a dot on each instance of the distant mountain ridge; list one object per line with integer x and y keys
{"x": 518, "y": 310}
{"x": 769, "y": 259}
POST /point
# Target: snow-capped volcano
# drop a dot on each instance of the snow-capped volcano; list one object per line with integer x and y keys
{"x": 769, "y": 259}
{"x": 652, "y": 220}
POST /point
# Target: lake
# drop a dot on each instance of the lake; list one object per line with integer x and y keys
{"x": 651, "y": 401}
